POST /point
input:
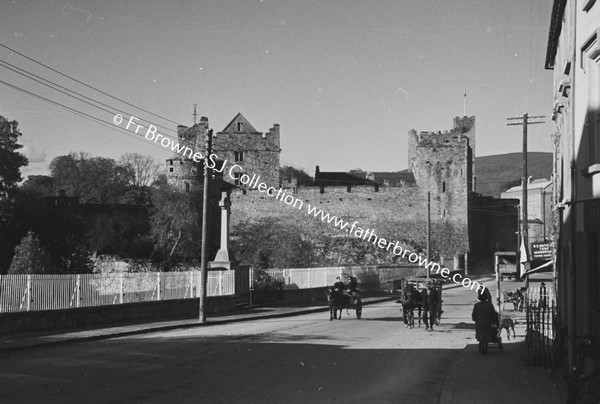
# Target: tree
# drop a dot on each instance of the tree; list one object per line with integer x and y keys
{"x": 30, "y": 257}
{"x": 42, "y": 185}
{"x": 91, "y": 179}
{"x": 76, "y": 259}
{"x": 270, "y": 244}
{"x": 291, "y": 172}
{"x": 144, "y": 168}
{"x": 11, "y": 160}
{"x": 176, "y": 224}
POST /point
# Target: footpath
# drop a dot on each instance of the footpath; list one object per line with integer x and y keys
{"x": 500, "y": 377}
{"x": 471, "y": 378}
{"x": 29, "y": 340}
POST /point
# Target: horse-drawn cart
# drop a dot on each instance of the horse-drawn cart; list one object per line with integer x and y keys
{"x": 339, "y": 300}
{"x": 420, "y": 293}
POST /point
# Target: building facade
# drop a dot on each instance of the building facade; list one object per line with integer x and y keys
{"x": 257, "y": 152}
{"x": 539, "y": 207}
{"x": 573, "y": 53}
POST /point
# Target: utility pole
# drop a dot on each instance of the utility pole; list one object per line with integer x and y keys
{"x": 524, "y": 120}
{"x": 205, "y": 203}
{"x": 428, "y": 229}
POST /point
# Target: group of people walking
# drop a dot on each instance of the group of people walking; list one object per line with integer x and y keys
{"x": 425, "y": 296}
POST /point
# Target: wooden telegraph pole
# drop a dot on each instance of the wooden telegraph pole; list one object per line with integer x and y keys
{"x": 428, "y": 229}
{"x": 205, "y": 202}
{"x": 524, "y": 120}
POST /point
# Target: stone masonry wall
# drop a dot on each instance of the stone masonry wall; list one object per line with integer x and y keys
{"x": 394, "y": 213}
{"x": 443, "y": 164}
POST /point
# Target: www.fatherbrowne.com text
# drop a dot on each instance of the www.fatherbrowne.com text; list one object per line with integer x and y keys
{"x": 236, "y": 172}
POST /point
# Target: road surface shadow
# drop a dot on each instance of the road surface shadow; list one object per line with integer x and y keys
{"x": 262, "y": 368}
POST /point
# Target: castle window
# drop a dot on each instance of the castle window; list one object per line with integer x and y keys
{"x": 240, "y": 126}
{"x": 187, "y": 186}
{"x": 236, "y": 178}
{"x": 181, "y": 162}
{"x": 170, "y": 169}
{"x": 239, "y": 156}
{"x": 443, "y": 186}
{"x": 171, "y": 162}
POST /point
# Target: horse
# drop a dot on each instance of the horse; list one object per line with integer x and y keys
{"x": 337, "y": 301}
{"x": 411, "y": 300}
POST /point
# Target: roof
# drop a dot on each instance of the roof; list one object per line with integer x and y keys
{"x": 332, "y": 178}
{"x": 558, "y": 9}
{"x": 394, "y": 178}
{"x": 535, "y": 184}
{"x": 232, "y": 126}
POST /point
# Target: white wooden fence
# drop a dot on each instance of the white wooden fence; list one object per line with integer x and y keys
{"x": 372, "y": 277}
{"x": 48, "y": 292}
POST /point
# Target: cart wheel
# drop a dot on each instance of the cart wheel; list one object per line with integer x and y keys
{"x": 358, "y": 309}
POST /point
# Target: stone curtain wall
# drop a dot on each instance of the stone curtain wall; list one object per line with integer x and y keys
{"x": 395, "y": 213}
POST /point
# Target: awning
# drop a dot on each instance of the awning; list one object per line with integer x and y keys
{"x": 539, "y": 268}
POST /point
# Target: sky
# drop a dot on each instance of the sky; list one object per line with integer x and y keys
{"x": 346, "y": 80}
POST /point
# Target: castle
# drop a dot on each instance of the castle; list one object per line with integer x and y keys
{"x": 441, "y": 163}
{"x": 238, "y": 143}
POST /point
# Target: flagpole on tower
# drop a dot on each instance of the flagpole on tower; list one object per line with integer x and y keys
{"x": 465, "y": 104}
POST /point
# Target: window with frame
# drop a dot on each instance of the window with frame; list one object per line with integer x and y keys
{"x": 590, "y": 64}
{"x": 240, "y": 126}
{"x": 238, "y": 156}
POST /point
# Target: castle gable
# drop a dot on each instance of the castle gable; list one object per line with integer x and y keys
{"x": 239, "y": 124}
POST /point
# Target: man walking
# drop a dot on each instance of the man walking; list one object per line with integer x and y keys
{"x": 430, "y": 304}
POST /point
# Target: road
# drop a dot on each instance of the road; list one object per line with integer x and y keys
{"x": 301, "y": 359}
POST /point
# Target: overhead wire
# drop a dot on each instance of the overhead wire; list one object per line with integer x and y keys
{"x": 52, "y": 85}
{"x": 86, "y": 85}
{"x": 73, "y": 110}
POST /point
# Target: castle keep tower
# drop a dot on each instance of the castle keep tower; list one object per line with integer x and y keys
{"x": 444, "y": 165}
{"x": 182, "y": 172}
{"x": 239, "y": 143}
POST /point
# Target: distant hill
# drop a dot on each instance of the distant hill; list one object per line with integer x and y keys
{"x": 497, "y": 173}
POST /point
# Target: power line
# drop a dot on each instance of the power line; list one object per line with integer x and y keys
{"x": 87, "y": 85}
{"x": 45, "y": 82}
{"x": 77, "y": 112}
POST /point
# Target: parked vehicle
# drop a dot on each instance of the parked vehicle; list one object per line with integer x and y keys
{"x": 506, "y": 265}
